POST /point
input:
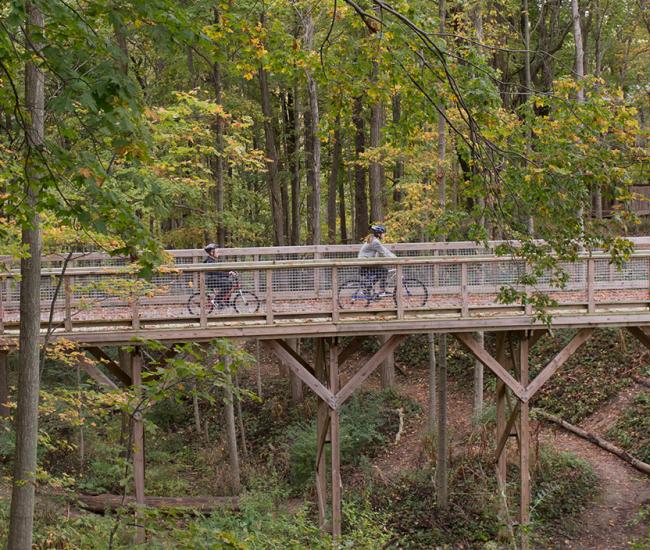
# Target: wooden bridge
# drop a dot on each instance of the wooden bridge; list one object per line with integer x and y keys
{"x": 451, "y": 287}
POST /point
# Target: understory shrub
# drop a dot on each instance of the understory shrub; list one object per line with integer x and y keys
{"x": 562, "y": 486}
{"x": 368, "y": 420}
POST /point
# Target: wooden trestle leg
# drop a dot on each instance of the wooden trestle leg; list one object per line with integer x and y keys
{"x": 335, "y": 442}
{"x": 322, "y": 427}
{"x": 501, "y": 415}
{"x": 524, "y": 445}
{"x": 138, "y": 447}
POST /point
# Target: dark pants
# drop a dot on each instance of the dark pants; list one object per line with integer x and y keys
{"x": 220, "y": 285}
{"x": 371, "y": 275}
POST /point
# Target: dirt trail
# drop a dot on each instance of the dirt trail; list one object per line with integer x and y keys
{"x": 603, "y": 526}
{"x": 606, "y": 525}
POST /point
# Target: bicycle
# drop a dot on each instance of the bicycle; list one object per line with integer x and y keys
{"x": 242, "y": 301}
{"x": 361, "y": 292}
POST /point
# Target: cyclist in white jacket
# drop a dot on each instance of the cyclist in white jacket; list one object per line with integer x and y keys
{"x": 373, "y": 248}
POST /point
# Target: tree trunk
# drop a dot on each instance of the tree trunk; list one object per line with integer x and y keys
{"x": 231, "y": 430}
{"x": 4, "y": 383}
{"x": 314, "y": 138}
{"x": 333, "y": 183}
{"x": 293, "y": 161}
{"x": 374, "y": 173}
{"x": 272, "y": 162}
{"x": 360, "y": 193}
{"x": 218, "y": 161}
{"x": 343, "y": 224}
{"x": 398, "y": 169}
{"x": 22, "y": 497}
{"x": 577, "y": 36}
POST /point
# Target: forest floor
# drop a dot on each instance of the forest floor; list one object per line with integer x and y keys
{"x": 606, "y": 525}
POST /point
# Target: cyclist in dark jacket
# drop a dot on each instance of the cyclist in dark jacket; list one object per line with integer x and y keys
{"x": 372, "y": 248}
{"x": 218, "y": 281}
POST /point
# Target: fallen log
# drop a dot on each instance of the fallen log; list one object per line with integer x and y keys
{"x": 110, "y": 503}
{"x": 602, "y": 443}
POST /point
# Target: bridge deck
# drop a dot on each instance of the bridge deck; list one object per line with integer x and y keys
{"x": 457, "y": 289}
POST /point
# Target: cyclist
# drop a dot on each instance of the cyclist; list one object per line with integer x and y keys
{"x": 219, "y": 281}
{"x": 373, "y": 248}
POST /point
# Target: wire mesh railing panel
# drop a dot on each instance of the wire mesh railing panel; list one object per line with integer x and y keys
{"x": 295, "y": 290}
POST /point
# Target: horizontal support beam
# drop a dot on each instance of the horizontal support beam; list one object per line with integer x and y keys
{"x": 490, "y": 362}
{"x": 107, "y": 336}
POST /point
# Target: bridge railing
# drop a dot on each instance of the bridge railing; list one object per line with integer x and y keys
{"x": 288, "y": 253}
{"x": 317, "y": 290}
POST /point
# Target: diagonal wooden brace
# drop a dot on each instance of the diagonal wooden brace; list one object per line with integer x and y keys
{"x": 111, "y": 365}
{"x": 291, "y": 351}
{"x": 350, "y": 349}
{"x": 641, "y": 335}
{"x": 97, "y": 375}
{"x": 490, "y": 362}
{"x": 301, "y": 369}
{"x": 377, "y": 359}
{"x": 503, "y": 438}
{"x": 549, "y": 370}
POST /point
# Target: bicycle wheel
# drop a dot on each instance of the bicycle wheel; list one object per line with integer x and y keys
{"x": 194, "y": 304}
{"x": 352, "y": 294}
{"x": 246, "y": 301}
{"x": 414, "y": 294}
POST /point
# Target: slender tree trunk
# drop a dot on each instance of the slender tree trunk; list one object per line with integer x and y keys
{"x": 294, "y": 166}
{"x": 314, "y": 138}
{"x": 4, "y": 383}
{"x": 398, "y": 169}
{"x": 580, "y": 56}
{"x": 24, "y": 483}
{"x": 441, "y": 464}
{"x": 360, "y": 193}
{"x": 273, "y": 162}
{"x": 342, "y": 211}
{"x": 219, "y": 160}
{"x": 231, "y": 430}
{"x": 374, "y": 173}
{"x": 333, "y": 183}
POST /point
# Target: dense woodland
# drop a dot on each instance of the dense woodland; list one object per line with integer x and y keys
{"x": 140, "y": 125}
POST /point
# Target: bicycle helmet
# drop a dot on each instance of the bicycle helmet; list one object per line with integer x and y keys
{"x": 210, "y": 247}
{"x": 377, "y": 229}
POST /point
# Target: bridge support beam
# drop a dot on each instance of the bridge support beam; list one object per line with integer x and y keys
{"x": 324, "y": 380}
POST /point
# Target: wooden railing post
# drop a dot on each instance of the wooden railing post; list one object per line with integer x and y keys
{"x": 464, "y": 308}
{"x": 256, "y": 275}
{"x": 203, "y": 314}
{"x": 269, "y": 296}
{"x": 135, "y": 310}
{"x": 591, "y": 304}
{"x": 335, "y": 294}
{"x": 2, "y": 309}
{"x": 67, "y": 289}
{"x": 399, "y": 291}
